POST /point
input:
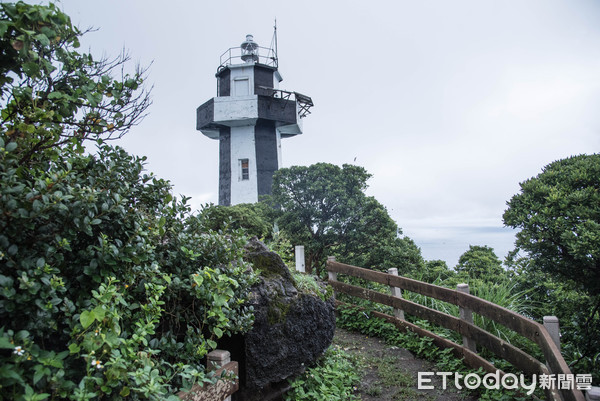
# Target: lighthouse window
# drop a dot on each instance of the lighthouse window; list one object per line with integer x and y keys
{"x": 244, "y": 169}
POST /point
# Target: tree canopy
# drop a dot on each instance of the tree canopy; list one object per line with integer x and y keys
{"x": 480, "y": 262}
{"x": 51, "y": 94}
{"x": 324, "y": 207}
{"x": 558, "y": 214}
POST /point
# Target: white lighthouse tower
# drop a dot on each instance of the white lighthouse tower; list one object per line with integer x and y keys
{"x": 249, "y": 117}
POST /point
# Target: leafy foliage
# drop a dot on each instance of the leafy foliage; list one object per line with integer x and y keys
{"x": 116, "y": 288}
{"x": 51, "y": 94}
{"x": 251, "y": 217}
{"x": 575, "y": 309}
{"x": 324, "y": 207}
{"x": 333, "y": 378}
{"x": 480, "y": 262}
{"x": 558, "y": 214}
{"x": 109, "y": 287}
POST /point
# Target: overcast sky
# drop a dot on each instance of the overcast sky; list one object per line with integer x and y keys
{"x": 449, "y": 104}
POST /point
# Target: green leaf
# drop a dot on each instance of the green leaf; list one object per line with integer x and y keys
{"x": 6, "y": 281}
{"x": 39, "y": 373}
{"x": 99, "y": 313}
{"x": 43, "y": 39}
{"x": 5, "y": 343}
{"x": 198, "y": 280}
{"x": 56, "y": 95}
{"x": 3, "y": 27}
{"x": 218, "y": 332}
{"x": 11, "y": 146}
{"x": 8, "y": 372}
{"x": 86, "y": 318}
{"x": 32, "y": 69}
{"x": 74, "y": 348}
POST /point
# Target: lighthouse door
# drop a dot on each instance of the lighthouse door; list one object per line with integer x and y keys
{"x": 241, "y": 86}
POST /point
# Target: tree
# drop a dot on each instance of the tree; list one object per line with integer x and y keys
{"x": 109, "y": 288}
{"x": 577, "y": 311}
{"x": 558, "y": 214}
{"x": 435, "y": 270}
{"x": 324, "y": 208}
{"x": 480, "y": 262}
{"x": 51, "y": 94}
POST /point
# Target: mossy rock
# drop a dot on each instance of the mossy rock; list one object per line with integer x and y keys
{"x": 292, "y": 327}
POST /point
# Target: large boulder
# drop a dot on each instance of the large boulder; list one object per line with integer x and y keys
{"x": 291, "y": 328}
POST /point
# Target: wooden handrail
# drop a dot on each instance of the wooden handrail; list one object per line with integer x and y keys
{"x": 512, "y": 320}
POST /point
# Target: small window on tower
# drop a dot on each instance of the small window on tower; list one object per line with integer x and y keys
{"x": 244, "y": 169}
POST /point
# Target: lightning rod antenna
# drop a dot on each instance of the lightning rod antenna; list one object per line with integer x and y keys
{"x": 274, "y": 43}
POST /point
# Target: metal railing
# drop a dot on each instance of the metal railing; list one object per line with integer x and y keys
{"x": 304, "y": 102}
{"x": 263, "y": 55}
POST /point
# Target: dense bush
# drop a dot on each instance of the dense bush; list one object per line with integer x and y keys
{"x": 252, "y": 217}
{"x": 333, "y": 378}
{"x": 108, "y": 286}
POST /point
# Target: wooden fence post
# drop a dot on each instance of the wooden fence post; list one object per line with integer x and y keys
{"x": 300, "y": 260}
{"x": 332, "y": 276}
{"x": 396, "y": 292}
{"x": 466, "y": 314}
{"x": 551, "y": 324}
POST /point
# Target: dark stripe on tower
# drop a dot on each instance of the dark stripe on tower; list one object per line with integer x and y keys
{"x": 225, "y": 166}
{"x": 223, "y": 83}
{"x": 263, "y": 76}
{"x": 266, "y": 155}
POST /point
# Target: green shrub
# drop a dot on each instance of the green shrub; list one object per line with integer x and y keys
{"x": 333, "y": 378}
{"x": 108, "y": 286}
{"x": 310, "y": 285}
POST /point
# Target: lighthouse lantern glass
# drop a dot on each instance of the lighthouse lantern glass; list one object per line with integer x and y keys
{"x": 249, "y": 49}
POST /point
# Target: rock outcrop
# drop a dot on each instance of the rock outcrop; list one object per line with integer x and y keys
{"x": 291, "y": 328}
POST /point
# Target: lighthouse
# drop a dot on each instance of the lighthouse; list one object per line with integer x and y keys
{"x": 249, "y": 117}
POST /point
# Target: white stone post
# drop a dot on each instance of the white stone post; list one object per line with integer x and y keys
{"x": 396, "y": 292}
{"x": 216, "y": 359}
{"x": 332, "y": 276}
{"x": 551, "y": 324}
{"x": 300, "y": 260}
{"x": 466, "y": 314}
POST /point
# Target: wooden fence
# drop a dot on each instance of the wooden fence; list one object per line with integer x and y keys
{"x": 554, "y": 362}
